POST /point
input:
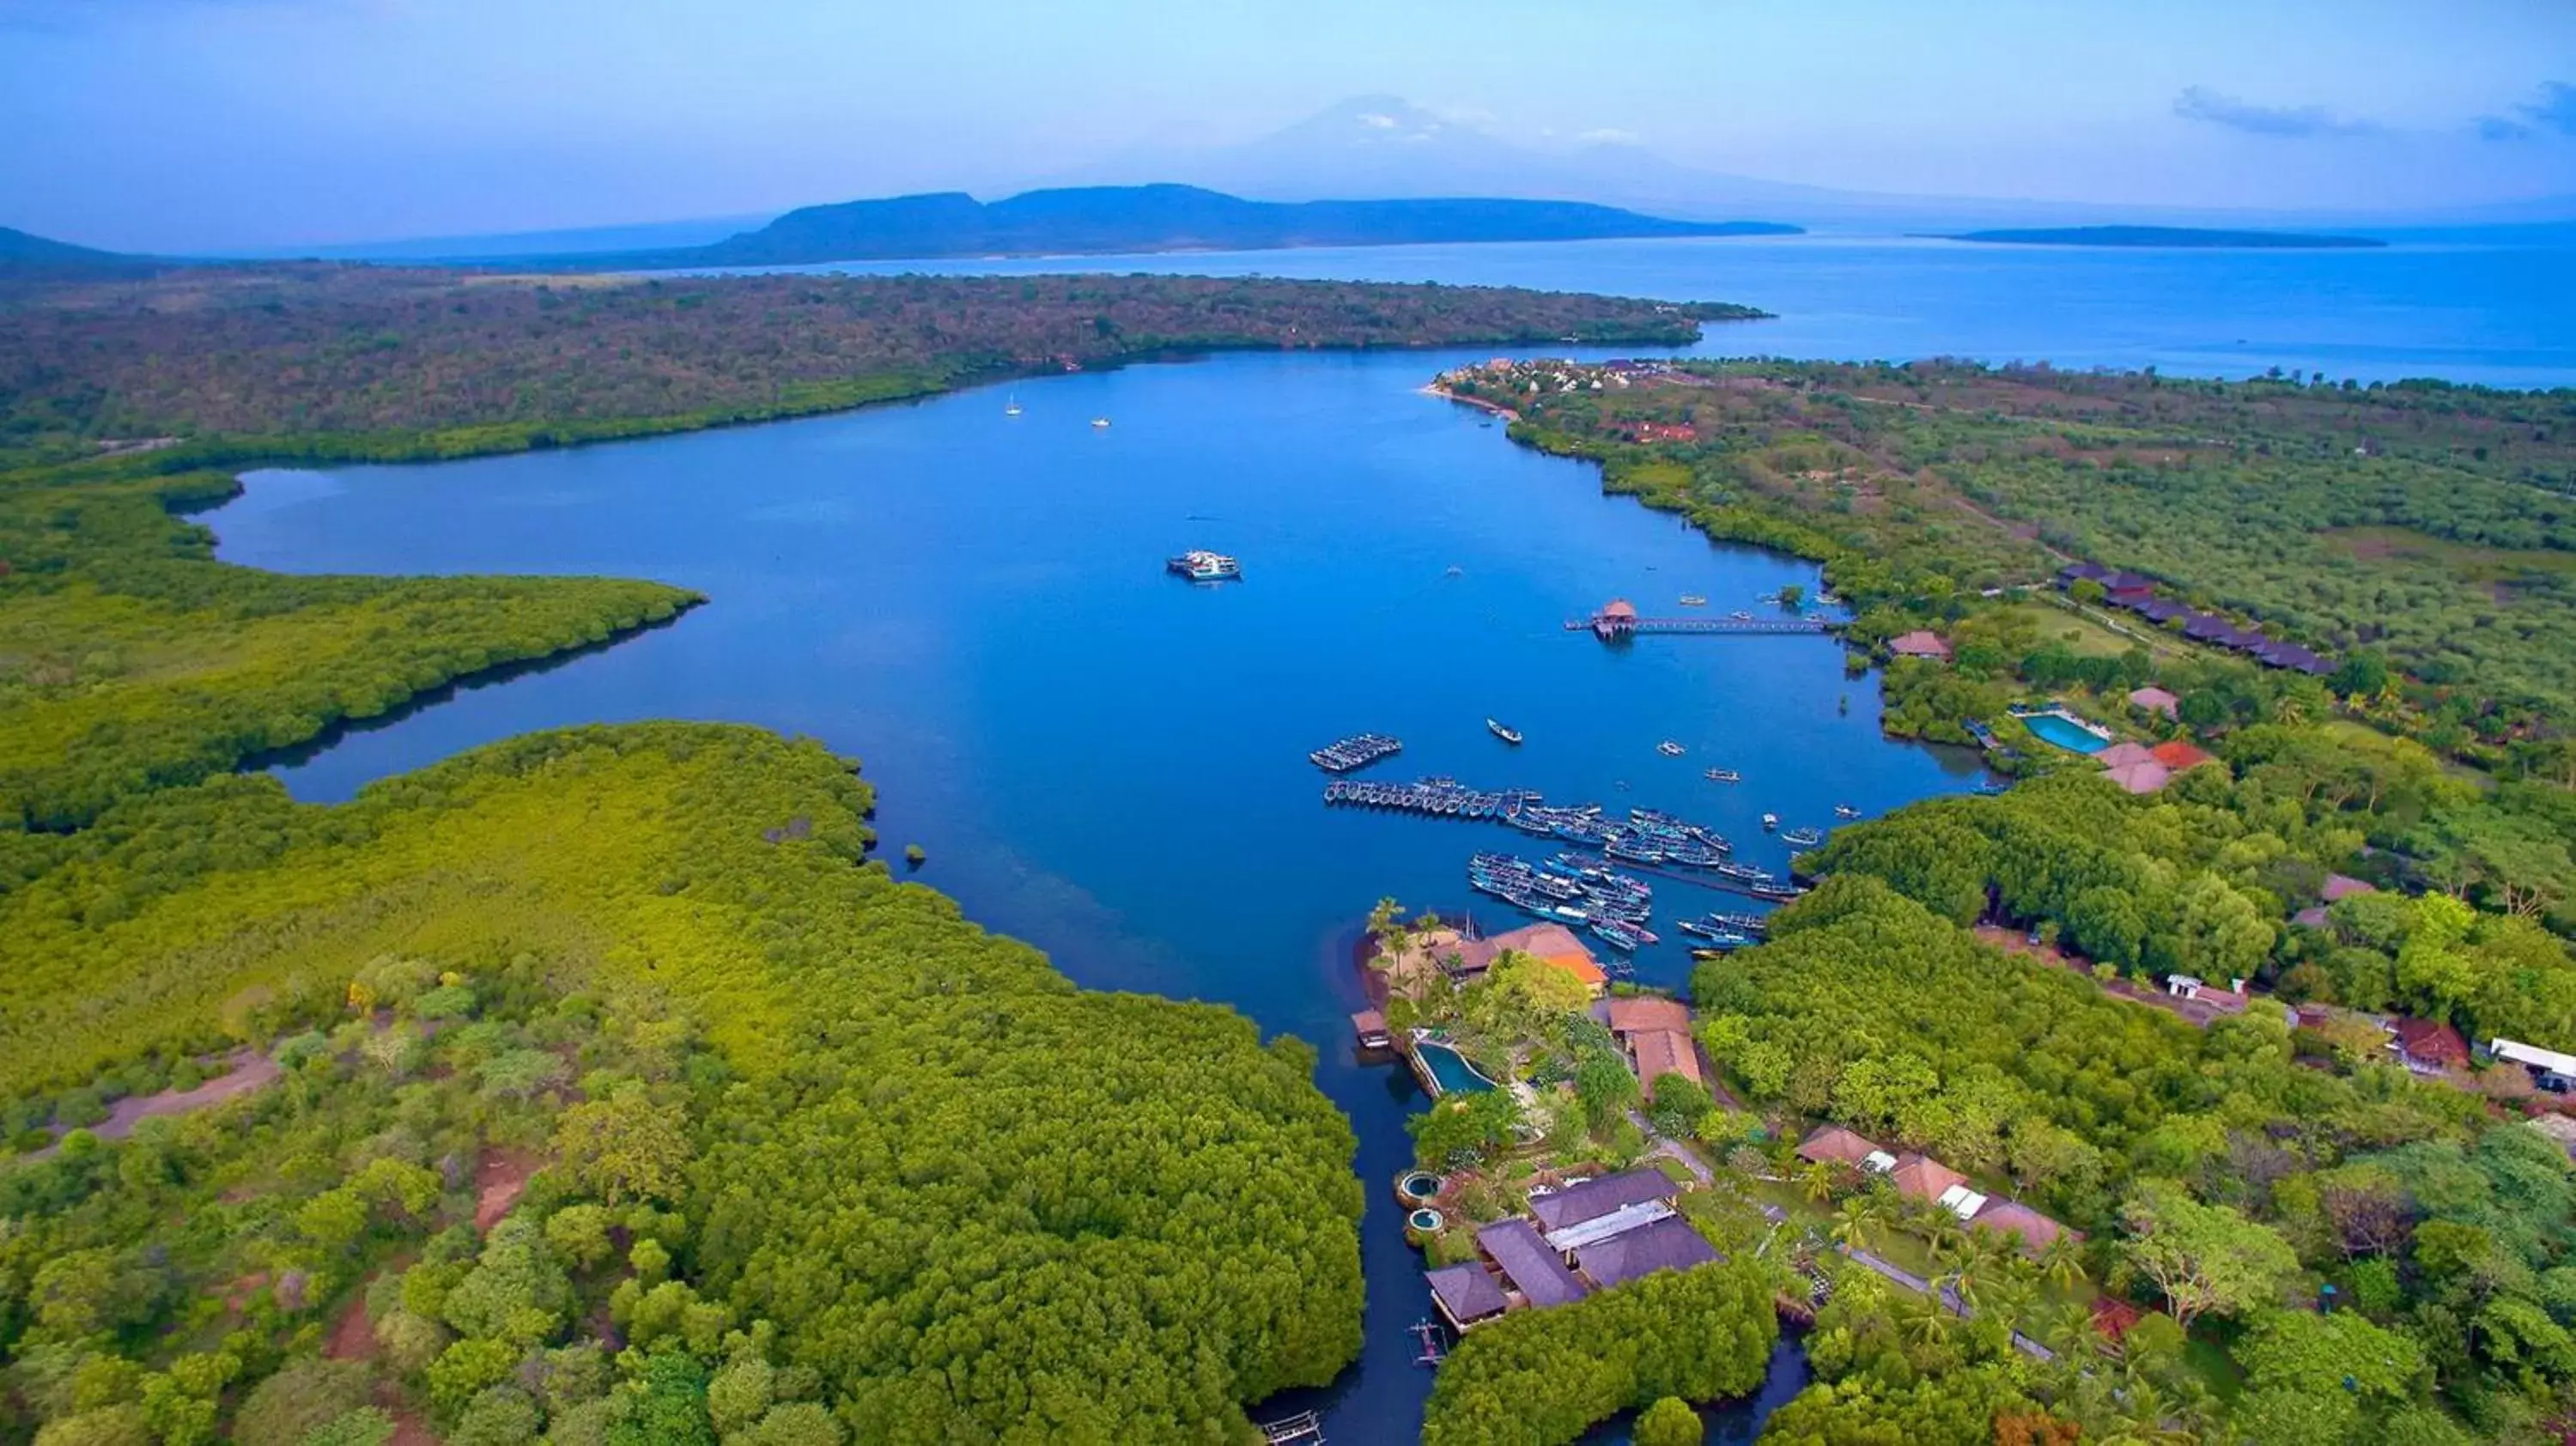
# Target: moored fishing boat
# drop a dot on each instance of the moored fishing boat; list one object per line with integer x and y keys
{"x": 1506, "y": 733}
{"x": 1845, "y": 810}
{"x": 1805, "y": 838}
{"x": 1200, "y": 565}
{"x": 1723, "y": 775}
{"x": 1669, "y": 749}
{"x": 1770, "y": 823}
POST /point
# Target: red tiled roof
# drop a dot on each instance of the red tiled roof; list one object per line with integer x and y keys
{"x": 2114, "y": 1317}
{"x": 2178, "y": 755}
{"x": 2011, "y": 1217}
{"x": 1919, "y": 644}
{"x": 2432, "y": 1042}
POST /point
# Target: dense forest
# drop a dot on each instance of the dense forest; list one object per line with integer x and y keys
{"x": 2226, "y": 1173}
{"x": 820, "y": 1159}
{"x": 313, "y": 361}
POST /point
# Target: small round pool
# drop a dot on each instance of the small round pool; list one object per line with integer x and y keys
{"x": 1420, "y": 1185}
{"x": 1425, "y": 1220}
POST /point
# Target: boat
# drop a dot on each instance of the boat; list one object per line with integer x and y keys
{"x": 1509, "y": 735}
{"x": 1724, "y": 775}
{"x": 1669, "y": 749}
{"x": 1199, "y": 565}
{"x": 1805, "y": 838}
{"x": 1693, "y": 600}
{"x": 1845, "y": 810}
{"x": 1770, "y": 823}
{"x": 1743, "y": 617}
{"x": 1012, "y": 408}
{"x": 1101, "y": 422}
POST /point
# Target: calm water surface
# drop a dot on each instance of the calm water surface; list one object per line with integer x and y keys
{"x": 1104, "y": 759}
{"x": 1111, "y": 763}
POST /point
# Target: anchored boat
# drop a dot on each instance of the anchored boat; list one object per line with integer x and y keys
{"x": 1669, "y": 749}
{"x": 1508, "y": 734}
{"x": 1805, "y": 838}
{"x": 1724, "y": 775}
{"x": 1199, "y": 565}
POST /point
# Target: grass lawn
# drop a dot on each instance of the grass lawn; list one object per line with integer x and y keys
{"x": 2083, "y": 636}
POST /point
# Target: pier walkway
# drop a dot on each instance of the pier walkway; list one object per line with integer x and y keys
{"x": 1608, "y": 627}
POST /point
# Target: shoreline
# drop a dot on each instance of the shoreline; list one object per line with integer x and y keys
{"x": 1434, "y": 389}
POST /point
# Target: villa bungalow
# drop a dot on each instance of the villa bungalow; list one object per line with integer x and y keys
{"x": 2343, "y": 886}
{"x": 1467, "y": 959}
{"x": 1467, "y": 1294}
{"x": 1529, "y": 1266}
{"x": 1670, "y": 1243}
{"x": 1656, "y": 1034}
{"x": 2549, "y": 1069}
{"x": 2161, "y": 611}
{"x": 2128, "y": 589}
{"x": 1920, "y": 1177}
{"x": 2427, "y": 1046}
{"x": 1833, "y": 1143}
{"x": 2155, "y": 700}
{"x": 2124, "y": 754}
{"x": 2141, "y": 778}
{"x": 1368, "y": 1027}
{"x": 1593, "y": 1199}
{"x": 2035, "y": 1231}
{"x": 1920, "y": 644}
{"x": 2074, "y": 573}
{"x": 2177, "y": 755}
{"x": 2207, "y": 628}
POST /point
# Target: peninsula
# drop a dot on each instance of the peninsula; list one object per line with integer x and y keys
{"x": 2165, "y": 236}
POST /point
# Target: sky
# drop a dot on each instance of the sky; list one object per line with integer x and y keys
{"x": 174, "y": 125}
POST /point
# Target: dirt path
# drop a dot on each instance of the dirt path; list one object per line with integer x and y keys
{"x": 500, "y": 1177}
{"x": 245, "y": 1070}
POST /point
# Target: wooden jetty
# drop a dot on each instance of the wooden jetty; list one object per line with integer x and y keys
{"x": 1618, "y": 621}
{"x": 1433, "y": 1343}
{"x": 1305, "y": 1426}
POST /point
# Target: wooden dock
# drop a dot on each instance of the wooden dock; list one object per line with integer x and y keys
{"x": 1305, "y": 1426}
{"x": 1607, "y": 628}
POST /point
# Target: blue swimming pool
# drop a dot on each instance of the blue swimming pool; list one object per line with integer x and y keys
{"x": 1449, "y": 1069}
{"x": 2063, "y": 731}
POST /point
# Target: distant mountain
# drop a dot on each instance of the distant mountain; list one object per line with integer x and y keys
{"x": 23, "y": 252}
{"x": 1116, "y": 219}
{"x": 1379, "y": 145}
{"x": 2173, "y": 236}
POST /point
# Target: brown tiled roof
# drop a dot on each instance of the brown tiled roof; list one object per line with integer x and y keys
{"x": 2011, "y": 1217}
{"x": 1648, "y": 1012}
{"x": 1923, "y": 1177}
{"x": 1919, "y": 644}
{"x": 2141, "y": 778}
{"x": 2341, "y": 886}
{"x": 2122, "y": 754}
{"x": 1662, "y": 1052}
{"x": 1833, "y": 1142}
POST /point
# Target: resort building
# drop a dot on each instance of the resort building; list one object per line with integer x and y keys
{"x": 2140, "y": 778}
{"x": 1467, "y": 1294}
{"x": 2125, "y": 755}
{"x": 1586, "y": 1237}
{"x": 2177, "y": 755}
{"x": 1368, "y": 1028}
{"x": 1447, "y": 952}
{"x": 2549, "y": 1069}
{"x": 1920, "y": 1177}
{"x": 2155, "y": 700}
{"x": 1529, "y": 1268}
{"x": 1549, "y": 944}
{"x": 2427, "y": 1046}
{"x": 1836, "y": 1145}
{"x": 1920, "y": 644}
{"x": 1655, "y": 1032}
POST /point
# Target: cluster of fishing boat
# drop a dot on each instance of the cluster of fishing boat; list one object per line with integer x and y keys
{"x": 1645, "y": 837}
{"x": 1572, "y": 890}
{"x": 1357, "y": 751}
{"x": 1723, "y": 932}
{"x": 1440, "y": 797}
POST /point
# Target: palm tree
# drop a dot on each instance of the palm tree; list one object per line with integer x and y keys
{"x": 2062, "y": 1263}
{"x": 1856, "y": 1224}
{"x": 1818, "y": 1181}
{"x": 1928, "y": 1327}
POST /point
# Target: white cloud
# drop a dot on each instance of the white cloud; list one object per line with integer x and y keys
{"x": 1610, "y": 136}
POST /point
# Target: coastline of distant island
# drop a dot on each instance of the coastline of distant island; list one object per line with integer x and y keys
{"x": 2177, "y": 236}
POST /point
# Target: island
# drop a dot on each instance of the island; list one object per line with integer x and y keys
{"x": 2163, "y": 236}
{"x": 1119, "y": 220}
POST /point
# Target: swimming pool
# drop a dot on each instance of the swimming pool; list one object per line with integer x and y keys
{"x": 2065, "y": 732}
{"x": 1449, "y": 1069}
